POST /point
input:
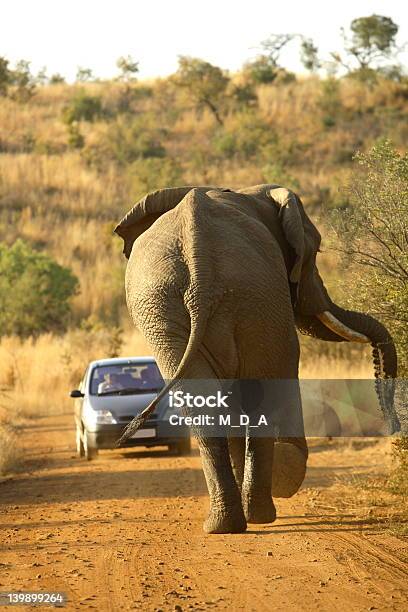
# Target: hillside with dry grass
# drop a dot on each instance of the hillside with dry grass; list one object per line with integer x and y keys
{"x": 74, "y": 159}
{"x": 64, "y": 196}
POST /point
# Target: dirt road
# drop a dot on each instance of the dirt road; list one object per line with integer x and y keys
{"x": 124, "y": 532}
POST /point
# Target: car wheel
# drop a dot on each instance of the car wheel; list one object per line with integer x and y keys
{"x": 79, "y": 443}
{"x": 89, "y": 451}
{"x": 182, "y": 447}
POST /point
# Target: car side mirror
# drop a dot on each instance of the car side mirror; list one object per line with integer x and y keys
{"x": 76, "y": 393}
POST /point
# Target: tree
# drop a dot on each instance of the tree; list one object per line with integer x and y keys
{"x": 57, "y": 79}
{"x": 128, "y": 68}
{"x": 309, "y": 56}
{"x": 5, "y": 76}
{"x": 273, "y": 45}
{"x": 370, "y": 43}
{"x": 23, "y": 81}
{"x": 41, "y": 78}
{"x": 84, "y": 74}
{"x": 265, "y": 67}
{"x": 373, "y": 38}
{"x": 373, "y": 234}
{"x": 205, "y": 83}
{"x": 35, "y": 291}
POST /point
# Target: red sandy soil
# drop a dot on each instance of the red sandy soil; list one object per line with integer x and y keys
{"x": 125, "y": 532}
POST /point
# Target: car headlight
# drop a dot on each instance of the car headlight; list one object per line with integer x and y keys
{"x": 101, "y": 417}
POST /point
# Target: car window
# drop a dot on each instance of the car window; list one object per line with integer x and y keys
{"x": 131, "y": 378}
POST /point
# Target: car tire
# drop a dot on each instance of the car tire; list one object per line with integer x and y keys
{"x": 90, "y": 452}
{"x": 182, "y": 447}
{"x": 79, "y": 442}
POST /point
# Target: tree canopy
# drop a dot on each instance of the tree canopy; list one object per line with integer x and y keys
{"x": 35, "y": 291}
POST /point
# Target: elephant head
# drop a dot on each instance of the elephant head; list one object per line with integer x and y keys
{"x": 315, "y": 312}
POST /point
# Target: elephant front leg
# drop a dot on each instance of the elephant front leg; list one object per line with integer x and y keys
{"x": 226, "y": 514}
{"x": 256, "y": 488}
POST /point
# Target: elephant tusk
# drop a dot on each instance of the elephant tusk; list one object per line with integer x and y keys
{"x": 340, "y": 329}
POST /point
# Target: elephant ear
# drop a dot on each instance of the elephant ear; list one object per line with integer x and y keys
{"x": 292, "y": 225}
{"x": 146, "y": 211}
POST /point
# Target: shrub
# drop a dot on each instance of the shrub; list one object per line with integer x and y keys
{"x": 5, "y": 76}
{"x": 56, "y": 79}
{"x": 276, "y": 172}
{"x": 261, "y": 70}
{"x": 398, "y": 482}
{"x": 242, "y": 95}
{"x": 127, "y": 141}
{"x": 34, "y": 291}
{"x": 374, "y": 234}
{"x": 245, "y": 138}
{"x": 150, "y": 174}
{"x": 82, "y": 107}
{"x": 329, "y": 101}
{"x": 76, "y": 140}
{"x": 23, "y": 81}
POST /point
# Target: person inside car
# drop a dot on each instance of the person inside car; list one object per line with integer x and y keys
{"x": 111, "y": 383}
{"x": 149, "y": 380}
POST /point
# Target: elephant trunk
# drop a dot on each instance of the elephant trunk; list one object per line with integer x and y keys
{"x": 359, "y": 327}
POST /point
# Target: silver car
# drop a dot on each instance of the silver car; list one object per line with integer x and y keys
{"x": 111, "y": 394}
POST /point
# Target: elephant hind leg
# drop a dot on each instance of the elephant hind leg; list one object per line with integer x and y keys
{"x": 226, "y": 514}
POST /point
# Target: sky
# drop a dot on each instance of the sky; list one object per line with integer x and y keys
{"x": 65, "y": 34}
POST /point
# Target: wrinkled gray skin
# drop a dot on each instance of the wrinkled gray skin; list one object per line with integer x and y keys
{"x": 217, "y": 282}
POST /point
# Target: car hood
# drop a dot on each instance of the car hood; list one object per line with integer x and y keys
{"x": 122, "y": 405}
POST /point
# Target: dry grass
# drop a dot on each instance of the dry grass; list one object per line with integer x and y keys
{"x": 37, "y": 374}
{"x": 61, "y": 202}
{"x": 10, "y": 453}
{"x": 56, "y": 199}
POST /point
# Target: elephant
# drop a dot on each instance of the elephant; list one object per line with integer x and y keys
{"x": 219, "y": 282}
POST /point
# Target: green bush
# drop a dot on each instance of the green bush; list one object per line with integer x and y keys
{"x": 242, "y": 95}
{"x": 5, "y": 76}
{"x": 150, "y": 174}
{"x": 76, "y": 140}
{"x": 261, "y": 70}
{"x": 398, "y": 482}
{"x": 276, "y": 172}
{"x": 82, "y": 108}
{"x": 127, "y": 141}
{"x": 23, "y": 81}
{"x": 373, "y": 232}
{"x": 246, "y": 138}
{"x": 35, "y": 291}
{"x": 329, "y": 101}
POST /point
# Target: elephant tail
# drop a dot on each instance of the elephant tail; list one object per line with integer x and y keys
{"x": 195, "y": 339}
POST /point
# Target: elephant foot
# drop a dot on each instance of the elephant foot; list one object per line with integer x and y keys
{"x": 259, "y": 509}
{"x": 230, "y": 520}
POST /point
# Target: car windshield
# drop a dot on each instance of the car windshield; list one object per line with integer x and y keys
{"x": 120, "y": 379}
